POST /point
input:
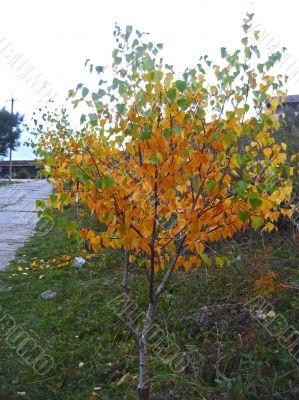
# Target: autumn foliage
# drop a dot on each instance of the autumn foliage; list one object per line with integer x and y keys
{"x": 169, "y": 164}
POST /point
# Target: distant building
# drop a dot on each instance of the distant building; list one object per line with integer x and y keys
{"x": 20, "y": 169}
{"x": 291, "y": 104}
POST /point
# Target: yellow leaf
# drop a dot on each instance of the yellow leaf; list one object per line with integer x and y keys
{"x": 130, "y": 148}
{"x": 187, "y": 265}
{"x": 89, "y": 236}
{"x": 180, "y": 117}
{"x": 95, "y": 243}
{"x": 281, "y": 158}
{"x": 136, "y": 196}
{"x": 199, "y": 247}
{"x": 286, "y": 212}
{"x": 291, "y": 172}
{"x": 123, "y": 379}
{"x": 220, "y": 261}
{"x": 293, "y": 157}
{"x": 267, "y": 151}
{"x": 256, "y": 35}
{"x": 269, "y": 227}
{"x": 79, "y": 158}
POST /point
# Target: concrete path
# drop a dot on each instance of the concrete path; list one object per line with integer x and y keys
{"x": 18, "y": 215}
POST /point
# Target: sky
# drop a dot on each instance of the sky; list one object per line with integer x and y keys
{"x": 51, "y": 40}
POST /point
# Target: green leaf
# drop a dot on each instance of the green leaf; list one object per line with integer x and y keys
{"x": 147, "y": 134}
{"x": 73, "y": 170}
{"x": 99, "y": 183}
{"x": 128, "y": 32}
{"x": 63, "y": 197}
{"x": 158, "y": 75}
{"x": 95, "y": 97}
{"x": 220, "y": 157}
{"x": 178, "y": 129}
{"x": 244, "y": 215}
{"x": 93, "y": 116}
{"x": 229, "y": 138}
{"x": 122, "y": 89}
{"x": 220, "y": 261}
{"x": 244, "y": 41}
{"x": 40, "y": 204}
{"x": 154, "y": 159}
{"x": 122, "y": 229}
{"x": 82, "y": 119}
{"x": 256, "y": 222}
{"x": 223, "y": 52}
{"x": 148, "y": 63}
{"x": 255, "y": 202}
{"x": 115, "y": 83}
{"x": 211, "y": 185}
{"x": 108, "y": 181}
{"x": 120, "y": 108}
{"x": 160, "y": 46}
{"x": 206, "y": 259}
{"x": 167, "y": 133}
{"x": 183, "y": 103}
{"x": 171, "y": 94}
{"x": 99, "y": 69}
{"x": 68, "y": 186}
{"x": 240, "y": 188}
{"x": 117, "y": 60}
{"x": 239, "y": 160}
{"x": 53, "y": 198}
{"x": 85, "y": 91}
{"x": 101, "y": 93}
{"x": 180, "y": 85}
{"x": 135, "y": 43}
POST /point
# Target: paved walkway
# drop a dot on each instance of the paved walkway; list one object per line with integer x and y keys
{"x": 18, "y": 215}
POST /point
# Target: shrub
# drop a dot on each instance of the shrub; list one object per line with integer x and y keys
{"x": 23, "y": 174}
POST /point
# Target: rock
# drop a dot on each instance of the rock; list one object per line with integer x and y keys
{"x": 78, "y": 262}
{"x": 48, "y": 294}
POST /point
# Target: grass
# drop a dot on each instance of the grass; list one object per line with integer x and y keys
{"x": 6, "y": 182}
{"x": 231, "y": 355}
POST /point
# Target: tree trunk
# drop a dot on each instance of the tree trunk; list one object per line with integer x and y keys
{"x": 143, "y": 389}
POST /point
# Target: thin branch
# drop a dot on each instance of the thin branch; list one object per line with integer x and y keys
{"x": 168, "y": 273}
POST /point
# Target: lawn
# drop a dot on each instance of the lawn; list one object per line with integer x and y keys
{"x": 231, "y": 355}
{"x": 6, "y": 182}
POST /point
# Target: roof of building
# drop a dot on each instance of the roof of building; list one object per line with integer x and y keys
{"x": 292, "y": 99}
{"x": 19, "y": 163}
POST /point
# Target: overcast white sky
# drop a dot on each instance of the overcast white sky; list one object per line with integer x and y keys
{"x": 56, "y": 37}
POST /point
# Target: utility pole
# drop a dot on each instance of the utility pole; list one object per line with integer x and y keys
{"x": 10, "y": 146}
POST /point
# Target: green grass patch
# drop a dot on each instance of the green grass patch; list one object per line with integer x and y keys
{"x": 6, "y": 182}
{"x": 230, "y": 354}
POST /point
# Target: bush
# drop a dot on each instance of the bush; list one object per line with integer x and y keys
{"x": 23, "y": 174}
